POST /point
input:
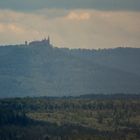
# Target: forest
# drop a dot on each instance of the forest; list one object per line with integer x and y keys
{"x": 89, "y": 117}
{"x": 44, "y": 70}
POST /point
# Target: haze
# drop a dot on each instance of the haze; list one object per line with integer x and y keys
{"x": 71, "y": 23}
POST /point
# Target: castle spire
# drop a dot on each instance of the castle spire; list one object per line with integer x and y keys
{"x": 48, "y": 40}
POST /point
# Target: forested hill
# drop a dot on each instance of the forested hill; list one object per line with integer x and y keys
{"x": 43, "y": 70}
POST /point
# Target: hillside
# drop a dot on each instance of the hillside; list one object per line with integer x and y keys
{"x": 43, "y": 70}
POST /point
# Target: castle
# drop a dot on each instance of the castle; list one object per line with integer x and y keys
{"x": 44, "y": 42}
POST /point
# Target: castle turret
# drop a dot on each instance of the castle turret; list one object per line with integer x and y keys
{"x": 48, "y": 40}
{"x": 26, "y": 43}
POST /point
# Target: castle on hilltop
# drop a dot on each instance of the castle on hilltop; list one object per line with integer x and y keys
{"x": 43, "y": 42}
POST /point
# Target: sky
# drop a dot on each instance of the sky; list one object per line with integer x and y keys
{"x": 90, "y": 24}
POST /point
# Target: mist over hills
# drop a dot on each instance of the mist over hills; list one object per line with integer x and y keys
{"x": 39, "y": 69}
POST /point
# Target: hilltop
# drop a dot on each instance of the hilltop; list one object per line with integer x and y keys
{"x": 39, "y": 69}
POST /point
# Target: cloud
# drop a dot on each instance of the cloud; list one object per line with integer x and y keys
{"x": 80, "y": 28}
{"x": 11, "y": 28}
{"x": 78, "y": 16}
{"x": 29, "y": 5}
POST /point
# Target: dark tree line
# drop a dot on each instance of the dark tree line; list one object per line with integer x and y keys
{"x": 8, "y": 117}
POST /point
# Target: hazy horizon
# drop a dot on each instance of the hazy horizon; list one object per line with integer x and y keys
{"x": 87, "y": 24}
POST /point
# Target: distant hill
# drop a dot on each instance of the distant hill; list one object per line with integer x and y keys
{"x": 39, "y": 69}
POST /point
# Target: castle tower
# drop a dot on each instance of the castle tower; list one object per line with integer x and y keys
{"x": 48, "y": 40}
{"x": 26, "y": 43}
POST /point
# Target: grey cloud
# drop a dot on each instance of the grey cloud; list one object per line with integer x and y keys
{"x": 29, "y": 5}
{"x": 77, "y": 29}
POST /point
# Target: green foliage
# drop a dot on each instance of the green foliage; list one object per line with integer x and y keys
{"x": 8, "y": 117}
{"x": 69, "y": 119}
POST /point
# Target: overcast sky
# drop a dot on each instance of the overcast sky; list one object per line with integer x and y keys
{"x": 71, "y": 23}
